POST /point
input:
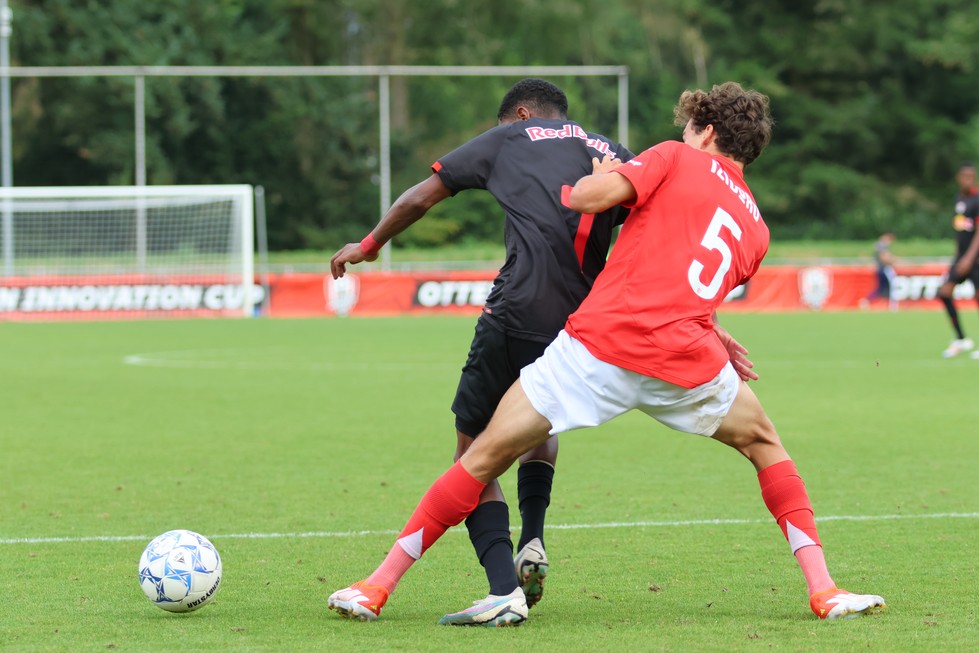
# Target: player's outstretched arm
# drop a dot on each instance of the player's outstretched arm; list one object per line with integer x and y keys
{"x": 406, "y": 210}
{"x": 602, "y": 189}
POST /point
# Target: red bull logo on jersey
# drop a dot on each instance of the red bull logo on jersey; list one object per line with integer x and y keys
{"x": 962, "y": 223}
{"x": 570, "y": 131}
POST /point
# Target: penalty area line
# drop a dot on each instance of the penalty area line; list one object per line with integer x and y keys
{"x": 459, "y": 529}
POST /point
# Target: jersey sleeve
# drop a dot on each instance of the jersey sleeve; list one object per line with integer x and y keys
{"x": 624, "y": 153}
{"x": 471, "y": 165}
{"x": 647, "y": 170}
{"x": 620, "y": 213}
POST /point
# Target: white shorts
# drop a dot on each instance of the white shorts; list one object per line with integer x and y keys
{"x": 573, "y": 389}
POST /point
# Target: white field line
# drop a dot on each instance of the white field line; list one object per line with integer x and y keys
{"x": 238, "y": 359}
{"x": 560, "y": 527}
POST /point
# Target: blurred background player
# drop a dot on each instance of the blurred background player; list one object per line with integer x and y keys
{"x": 884, "y": 259}
{"x": 644, "y": 339}
{"x": 553, "y": 255}
{"x": 965, "y": 265}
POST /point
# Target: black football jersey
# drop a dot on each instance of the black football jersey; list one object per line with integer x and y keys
{"x": 553, "y": 253}
{"x": 964, "y": 222}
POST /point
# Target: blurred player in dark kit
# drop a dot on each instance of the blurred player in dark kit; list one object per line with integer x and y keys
{"x": 966, "y": 263}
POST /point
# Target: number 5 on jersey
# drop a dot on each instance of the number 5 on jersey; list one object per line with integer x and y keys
{"x": 712, "y": 240}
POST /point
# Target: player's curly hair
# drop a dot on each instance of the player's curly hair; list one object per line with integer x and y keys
{"x": 546, "y": 99}
{"x": 741, "y": 118}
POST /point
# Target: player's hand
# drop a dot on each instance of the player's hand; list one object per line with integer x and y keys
{"x": 349, "y": 253}
{"x": 742, "y": 365}
{"x": 738, "y": 354}
{"x": 607, "y": 164}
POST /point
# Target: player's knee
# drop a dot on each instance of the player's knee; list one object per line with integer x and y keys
{"x": 545, "y": 452}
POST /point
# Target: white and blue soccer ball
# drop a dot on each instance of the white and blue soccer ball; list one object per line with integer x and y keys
{"x": 180, "y": 571}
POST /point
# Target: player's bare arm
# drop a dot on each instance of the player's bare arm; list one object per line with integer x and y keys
{"x": 406, "y": 210}
{"x": 602, "y": 189}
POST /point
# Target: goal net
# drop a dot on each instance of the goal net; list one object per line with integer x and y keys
{"x": 126, "y": 251}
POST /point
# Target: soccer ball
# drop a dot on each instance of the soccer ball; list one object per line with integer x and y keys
{"x": 180, "y": 571}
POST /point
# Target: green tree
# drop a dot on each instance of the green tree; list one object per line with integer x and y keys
{"x": 875, "y": 102}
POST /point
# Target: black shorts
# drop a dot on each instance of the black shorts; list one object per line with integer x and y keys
{"x": 494, "y": 363}
{"x": 973, "y": 274}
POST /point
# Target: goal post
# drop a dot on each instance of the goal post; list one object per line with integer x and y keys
{"x": 127, "y": 251}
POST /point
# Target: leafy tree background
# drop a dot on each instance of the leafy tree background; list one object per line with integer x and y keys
{"x": 876, "y": 102}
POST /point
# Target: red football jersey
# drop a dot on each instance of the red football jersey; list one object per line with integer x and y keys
{"x": 693, "y": 235}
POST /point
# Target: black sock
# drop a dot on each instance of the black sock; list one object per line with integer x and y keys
{"x": 534, "y": 481}
{"x": 489, "y": 531}
{"x": 953, "y": 315}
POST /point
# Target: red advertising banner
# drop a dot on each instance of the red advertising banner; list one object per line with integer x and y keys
{"x": 379, "y": 293}
{"x": 833, "y": 287}
{"x": 773, "y": 288}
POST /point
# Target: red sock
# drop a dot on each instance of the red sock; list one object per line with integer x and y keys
{"x": 451, "y": 498}
{"x": 813, "y": 564}
{"x": 785, "y": 495}
{"x": 392, "y": 569}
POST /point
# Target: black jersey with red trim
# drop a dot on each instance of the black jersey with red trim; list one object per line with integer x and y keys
{"x": 966, "y": 217}
{"x": 553, "y": 253}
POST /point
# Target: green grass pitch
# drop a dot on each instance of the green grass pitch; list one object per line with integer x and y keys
{"x": 300, "y": 447}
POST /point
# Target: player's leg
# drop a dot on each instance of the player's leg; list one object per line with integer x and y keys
{"x": 535, "y": 477}
{"x": 887, "y": 289}
{"x": 961, "y": 343}
{"x": 945, "y": 292}
{"x": 559, "y": 392}
{"x": 364, "y": 600}
{"x": 878, "y": 290}
{"x": 489, "y": 532}
{"x": 515, "y": 427}
{"x": 487, "y": 375}
{"x": 747, "y": 429}
{"x": 975, "y": 284}
{"x": 536, "y": 472}
{"x": 446, "y": 503}
{"x": 564, "y": 389}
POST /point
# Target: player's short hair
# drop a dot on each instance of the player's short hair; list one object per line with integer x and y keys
{"x": 541, "y": 96}
{"x": 741, "y": 118}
